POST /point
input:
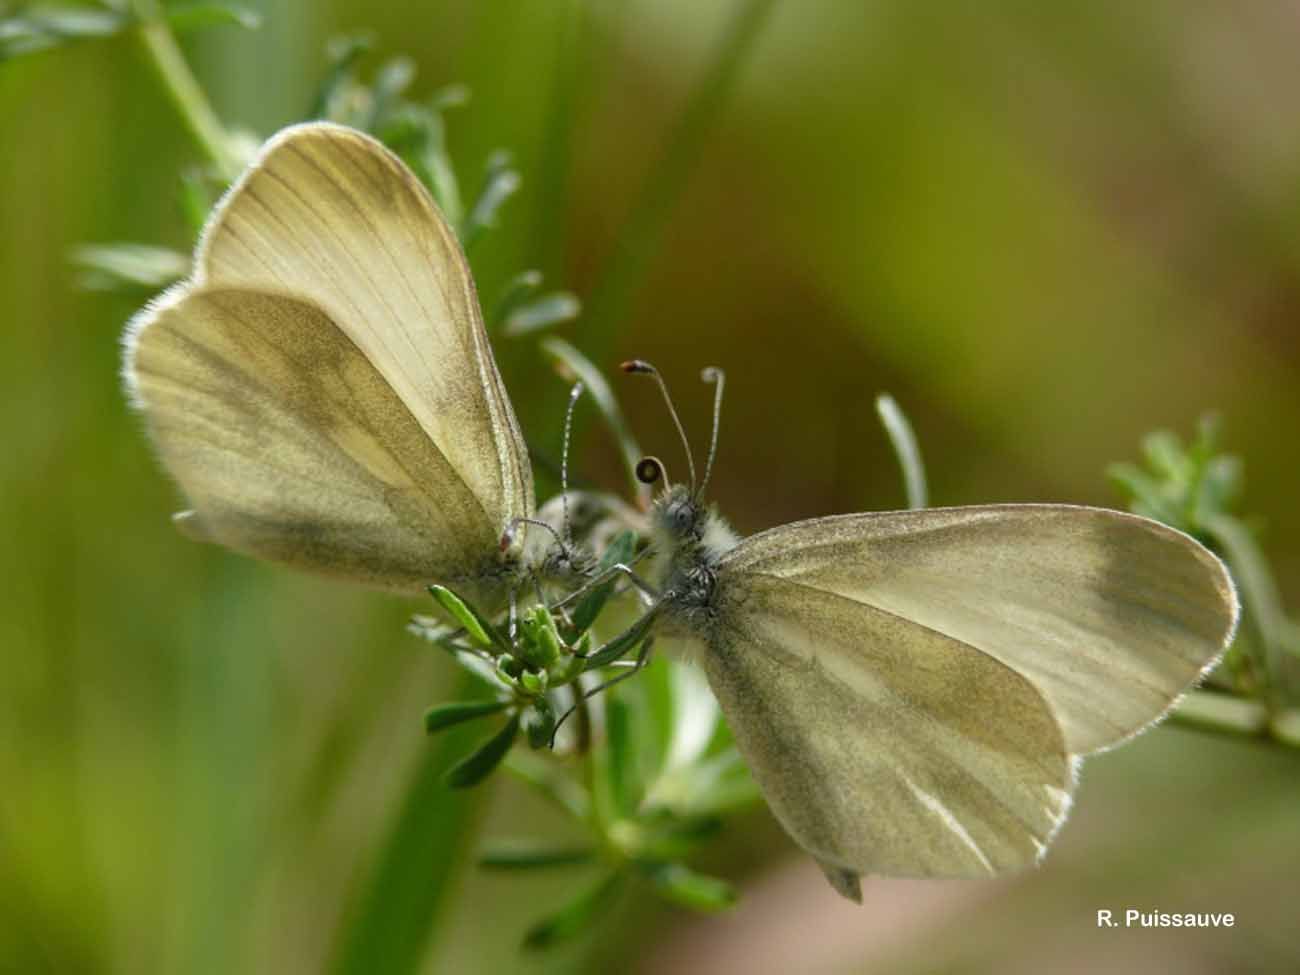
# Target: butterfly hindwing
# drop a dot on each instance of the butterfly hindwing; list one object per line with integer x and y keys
{"x": 883, "y": 746}
{"x": 292, "y": 447}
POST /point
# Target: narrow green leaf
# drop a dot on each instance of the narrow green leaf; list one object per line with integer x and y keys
{"x": 476, "y": 766}
{"x": 696, "y": 891}
{"x": 517, "y": 291}
{"x": 203, "y": 13}
{"x": 623, "y": 644}
{"x": 621, "y": 550}
{"x": 576, "y": 917}
{"x": 442, "y": 716}
{"x": 500, "y": 182}
{"x": 1165, "y": 454}
{"x": 906, "y": 448}
{"x": 528, "y": 855}
{"x": 344, "y": 53}
{"x": 545, "y": 312}
{"x": 1221, "y": 712}
{"x": 393, "y": 78}
{"x": 477, "y": 626}
{"x": 107, "y": 267}
{"x": 38, "y": 29}
{"x": 1258, "y": 588}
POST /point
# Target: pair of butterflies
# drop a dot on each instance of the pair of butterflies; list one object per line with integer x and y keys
{"x": 911, "y": 690}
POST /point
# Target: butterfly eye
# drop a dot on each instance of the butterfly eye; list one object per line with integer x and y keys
{"x": 681, "y": 517}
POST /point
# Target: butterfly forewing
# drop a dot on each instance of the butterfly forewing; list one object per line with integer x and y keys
{"x": 1111, "y": 616}
{"x": 329, "y": 214}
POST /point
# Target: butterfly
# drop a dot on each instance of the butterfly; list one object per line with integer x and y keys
{"x": 913, "y": 690}
{"x": 322, "y": 388}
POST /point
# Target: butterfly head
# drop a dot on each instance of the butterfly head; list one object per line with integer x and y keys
{"x": 689, "y": 535}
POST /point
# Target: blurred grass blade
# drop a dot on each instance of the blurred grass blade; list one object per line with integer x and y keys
{"x": 443, "y": 716}
{"x": 621, "y": 279}
{"x": 694, "y": 890}
{"x": 478, "y": 764}
{"x": 455, "y": 95}
{"x": 576, "y": 917}
{"x": 574, "y": 365}
{"x": 395, "y": 915}
{"x": 551, "y": 782}
{"x": 545, "y": 312}
{"x": 617, "y": 781}
{"x": 903, "y": 439}
{"x": 528, "y": 855}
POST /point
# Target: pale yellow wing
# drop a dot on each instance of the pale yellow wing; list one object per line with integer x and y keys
{"x": 328, "y": 214}
{"x": 1110, "y": 615}
{"x": 880, "y": 745}
{"x": 291, "y": 445}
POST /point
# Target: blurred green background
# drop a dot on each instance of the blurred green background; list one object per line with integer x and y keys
{"x": 1046, "y": 229}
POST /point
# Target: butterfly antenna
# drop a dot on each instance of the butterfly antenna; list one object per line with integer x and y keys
{"x": 719, "y": 379}
{"x": 641, "y": 367}
{"x": 564, "y": 459}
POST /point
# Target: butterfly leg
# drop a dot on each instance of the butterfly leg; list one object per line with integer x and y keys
{"x": 642, "y": 658}
{"x": 605, "y": 576}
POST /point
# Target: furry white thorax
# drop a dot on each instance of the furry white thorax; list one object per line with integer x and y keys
{"x": 690, "y": 540}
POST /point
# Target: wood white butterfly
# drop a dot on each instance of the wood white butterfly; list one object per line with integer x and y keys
{"x": 322, "y": 387}
{"x": 913, "y": 690}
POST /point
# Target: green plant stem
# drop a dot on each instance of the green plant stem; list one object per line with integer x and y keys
{"x": 419, "y": 864}
{"x": 183, "y": 88}
{"x": 1212, "y": 711}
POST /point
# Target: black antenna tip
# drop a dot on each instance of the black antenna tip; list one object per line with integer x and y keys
{"x": 638, "y": 365}
{"x": 649, "y": 470}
